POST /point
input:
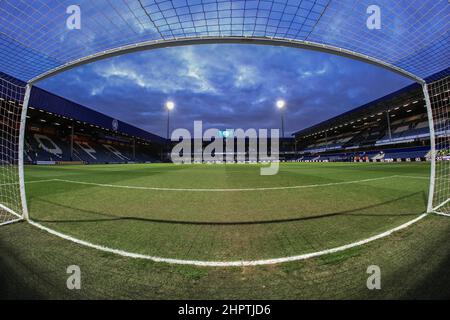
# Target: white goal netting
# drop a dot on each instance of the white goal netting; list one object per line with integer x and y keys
{"x": 11, "y": 99}
{"x": 42, "y": 37}
{"x": 439, "y": 92}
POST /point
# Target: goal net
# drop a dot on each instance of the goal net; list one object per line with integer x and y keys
{"x": 439, "y": 92}
{"x": 11, "y": 99}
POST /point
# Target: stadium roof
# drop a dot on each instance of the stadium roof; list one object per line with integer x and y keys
{"x": 36, "y": 42}
{"x": 413, "y": 91}
{"x": 50, "y": 102}
{"x": 55, "y": 104}
{"x": 379, "y": 105}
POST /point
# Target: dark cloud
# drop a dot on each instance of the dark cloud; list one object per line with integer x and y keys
{"x": 225, "y": 86}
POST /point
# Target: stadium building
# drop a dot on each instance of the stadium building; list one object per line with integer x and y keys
{"x": 392, "y": 128}
{"x": 60, "y": 131}
{"x": 366, "y": 190}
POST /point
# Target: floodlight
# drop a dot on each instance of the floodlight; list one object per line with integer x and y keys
{"x": 170, "y": 105}
{"x": 281, "y": 104}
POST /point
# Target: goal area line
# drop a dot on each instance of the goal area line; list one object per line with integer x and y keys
{"x": 118, "y": 186}
{"x": 240, "y": 263}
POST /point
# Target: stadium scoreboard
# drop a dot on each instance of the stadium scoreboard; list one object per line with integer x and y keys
{"x": 225, "y": 134}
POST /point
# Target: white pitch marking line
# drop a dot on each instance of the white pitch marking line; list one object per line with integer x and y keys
{"x": 227, "y": 263}
{"x": 413, "y": 177}
{"x": 27, "y": 182}
{"x": 215, "y": 190}
{"x": 424, "y": 177}
{"x": 223, "y": 190}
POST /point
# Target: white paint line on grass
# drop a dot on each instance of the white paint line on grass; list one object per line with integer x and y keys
{"x": 215, "y": 190}
{"x": 27, "y": 182}
{"x": 413, "y": 177}
{"x": 226, "y": 263}
{"x": 223, "y": 190}
{"x": 419, "y": 177}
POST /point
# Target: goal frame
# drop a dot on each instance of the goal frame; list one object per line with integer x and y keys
{"x": 149, "y": 45}
{"x": 23, "y": 121}
{"x": 432, "y": 147}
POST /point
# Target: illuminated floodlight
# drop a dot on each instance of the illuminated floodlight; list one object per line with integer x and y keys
{"x": 281, "y": 104}
{"x": 170, "y": 105}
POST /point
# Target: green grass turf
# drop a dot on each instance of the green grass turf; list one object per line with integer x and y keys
{"x": 414, "y": 262}
{"x": 224, "y": 226}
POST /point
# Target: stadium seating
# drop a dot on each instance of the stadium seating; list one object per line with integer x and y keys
{"x": 410, "y": 153}
{"x": 406, "y": 129}
{"x": 373, "y": 155}
{"x": 40, "y": 148}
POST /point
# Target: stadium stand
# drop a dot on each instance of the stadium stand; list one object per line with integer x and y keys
{"x": 47, "y": 141}
{"x": 392, "y": 128}
{"x": 61, "y": 131}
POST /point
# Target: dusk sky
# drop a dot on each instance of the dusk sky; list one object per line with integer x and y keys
{"x": 225, "y": 86}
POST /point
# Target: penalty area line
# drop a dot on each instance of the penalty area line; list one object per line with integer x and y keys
{"x": 242, "y": 263}
{"x": 223, "y": 190}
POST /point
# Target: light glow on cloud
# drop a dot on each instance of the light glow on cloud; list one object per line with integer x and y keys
{"x": 231, "y": 86}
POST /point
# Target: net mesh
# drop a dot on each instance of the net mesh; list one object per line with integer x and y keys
{"x": 11, "y": 99}
{"x": 414, "y": 34}
{"x": 439, "y": 92}
{"x": 34, "y": 39}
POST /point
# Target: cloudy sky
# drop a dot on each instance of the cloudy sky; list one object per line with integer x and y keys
{"x": 225, "y": 86}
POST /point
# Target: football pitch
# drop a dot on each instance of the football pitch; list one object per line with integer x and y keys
{"x": 225, "y": 213}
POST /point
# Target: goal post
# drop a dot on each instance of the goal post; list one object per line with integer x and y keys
{"x": 15, "y": 96}
{"x": 23, "y": 123}
{"x": 432, "y": 153}
{"x": 12, "y": 122}
{"x": 437, "y": 98}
